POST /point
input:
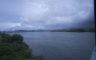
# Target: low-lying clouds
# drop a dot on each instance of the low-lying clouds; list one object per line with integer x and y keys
{"x": 42, "y": 14}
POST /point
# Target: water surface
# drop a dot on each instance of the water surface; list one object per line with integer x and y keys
{"x": 61, "y": 45}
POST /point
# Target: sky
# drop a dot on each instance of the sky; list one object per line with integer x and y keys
{"x": 46, "y": 14}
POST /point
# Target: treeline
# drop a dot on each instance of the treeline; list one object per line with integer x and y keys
{"x": 73, "y": 30}
{"x": 57, "y": 30}
{"x": 12, "y": 47}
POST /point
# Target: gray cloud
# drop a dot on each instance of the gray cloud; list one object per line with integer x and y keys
{"x": 40, "y": 14}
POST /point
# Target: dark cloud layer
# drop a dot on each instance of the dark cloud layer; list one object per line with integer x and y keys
{"x": 46, "y": 14}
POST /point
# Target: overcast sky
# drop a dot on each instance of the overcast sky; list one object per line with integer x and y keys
{"x": 45, "y": 14}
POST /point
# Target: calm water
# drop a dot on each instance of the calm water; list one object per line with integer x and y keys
{"x": 61, "y": 45}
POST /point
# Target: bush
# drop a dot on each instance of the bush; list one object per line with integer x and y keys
{"x": 16, "y": 38}
{"x": 12, "y": 47}
{"x": 14, "y": 52}
{"x": 5, "y": 38}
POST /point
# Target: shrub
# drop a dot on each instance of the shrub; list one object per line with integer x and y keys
{"x": 12, "y": 47}
{"x": 5, "y": 38}
{"x": 16, "y": 38}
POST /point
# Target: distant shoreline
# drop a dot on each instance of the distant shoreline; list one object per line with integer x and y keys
{"x": 55, "y": 30}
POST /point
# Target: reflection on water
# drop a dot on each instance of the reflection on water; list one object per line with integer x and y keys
{"x": 61, "y": 45}
{"x": 93, "y": 57}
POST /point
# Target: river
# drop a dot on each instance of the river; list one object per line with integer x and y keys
{"x": 61, "y": 45}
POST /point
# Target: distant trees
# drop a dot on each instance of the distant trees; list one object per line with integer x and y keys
{"x": 74, "y": 30}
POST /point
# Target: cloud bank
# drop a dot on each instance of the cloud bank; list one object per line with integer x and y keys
{"x": 44, "y": 14}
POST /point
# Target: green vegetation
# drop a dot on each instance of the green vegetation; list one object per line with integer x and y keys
{"x": 12, "y": 47}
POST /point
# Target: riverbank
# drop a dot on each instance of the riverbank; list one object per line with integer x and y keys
{"x": 12, "y": 47}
